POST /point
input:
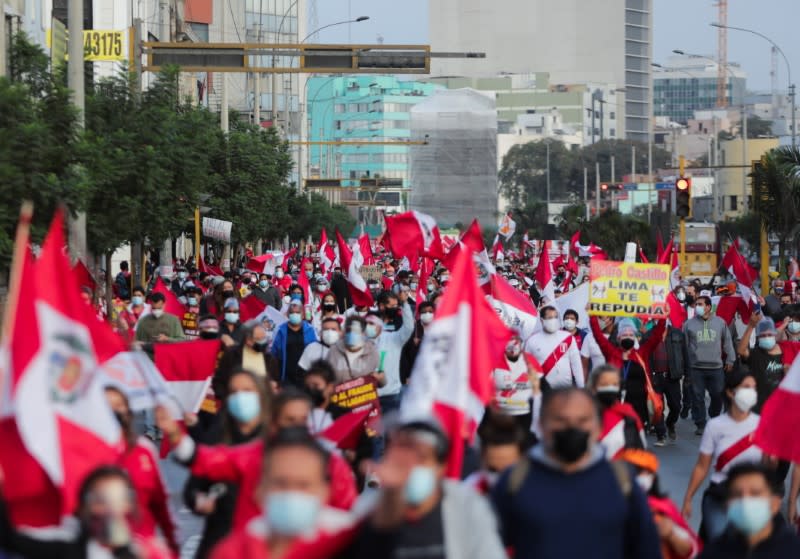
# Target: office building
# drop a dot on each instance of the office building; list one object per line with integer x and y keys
{"x": 575, "y": 41}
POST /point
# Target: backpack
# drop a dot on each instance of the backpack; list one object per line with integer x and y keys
{"x": 520, "y": 470}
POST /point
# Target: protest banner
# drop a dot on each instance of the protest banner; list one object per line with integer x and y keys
{"x": 371, "y": 272}
{"x": 217, "y": 229}
{"x": 629, "y": 289}
{"x": 358, "y": 395}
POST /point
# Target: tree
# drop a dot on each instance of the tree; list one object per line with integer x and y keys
{"x": 777, "y": 195}
{"x": 38, "y": 144}
{"x": 758, "y": 127}
{"x": 309, "y": 214}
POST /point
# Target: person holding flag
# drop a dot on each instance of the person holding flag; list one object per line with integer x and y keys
{"x": 513, "y": 385}
{"x": 556, "y": 350}
{"x": 621, "y": 426}
{"x": 727, "y": 440}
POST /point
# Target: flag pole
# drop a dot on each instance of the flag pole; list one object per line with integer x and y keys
{"x": 17, "y": 264}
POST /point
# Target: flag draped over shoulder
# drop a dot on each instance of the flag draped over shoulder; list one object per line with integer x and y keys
{"x": 461, "y": 347}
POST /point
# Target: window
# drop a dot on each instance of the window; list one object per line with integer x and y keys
{"x": 338, "y": 108}
{"x": 612, "y": 115}
{"x": 612, "y": 132}
{"x": 734, "y": 203}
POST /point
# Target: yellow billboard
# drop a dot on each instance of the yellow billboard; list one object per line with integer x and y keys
{"x": 628, "y": 289}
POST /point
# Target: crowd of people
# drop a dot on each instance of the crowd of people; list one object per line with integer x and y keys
{"x": 559, "y": 467}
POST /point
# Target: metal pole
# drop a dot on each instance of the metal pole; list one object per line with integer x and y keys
{"x": 713, "y": 159}
{"x": 547, "y": 143}
{"x": 76, "y": 82}
{"x": 794, "y": 133}
{"x": 597, "y": 188}
{"x": 197, "y": 236}
{"x": 745, "y": 204}
{"x": 257, "y": 90}
{"x": 682, "y": 264}
{"x": 223, "y": 101}
{"x": 586, "y": 191}
{"x": 613, "y": 185}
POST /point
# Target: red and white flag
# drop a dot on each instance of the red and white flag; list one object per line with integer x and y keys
{"x": 327, "y": 257}
{"x": 55, "y": 390}
{"x": 305, "y": 282}
{"x": 426, "y": 267}
{"x": 777, "y": 430}
{"x": 366, "y": 250}
{"x": 171, "y": 303}
{"x": 209, "y": 269}
{"x": 414, "y": 234}
{"x": 590, "y": 250}
{"x": 452, "y": 375}
{"x": 544, "y": 275}
{"x": 187, "y": 367}
{"x": 514, "y": 309}
{"x": 737, "y": 266}
{"x": 351, "y": 264}
{"x": 497, "y": 249}
{"x": 471, "y": 242}
{"x": 507, "y": 227}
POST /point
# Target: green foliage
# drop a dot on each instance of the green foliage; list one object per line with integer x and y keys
{"x": 758, "y": 127}
{"x": 611, "y": 230}
{"x": 309, "y": 216}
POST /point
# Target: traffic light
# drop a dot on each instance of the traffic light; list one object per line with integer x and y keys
{"x": 683, "y": 197}
{"x": 604, "y": 187}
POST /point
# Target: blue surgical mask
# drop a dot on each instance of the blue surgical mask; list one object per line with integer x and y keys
{"x": 354, "y": 339}
{"x": 749, "y": 514}
{"x": 137, "y": 300}
{"x": 700, "y": 310}
{"x": 192, "y": 301}
{"x": 231, "y": 317}
{"x": 291, "y": 513}
{"x": 295, "y": 318}
{"x": 794, "y": 327}
{"x": 244, "y": 406}
{"x": 420, "y": 485}
{"x": 767, "y": 342}
{"x": 263, "y": 283}
{"x": 371, "y": 331}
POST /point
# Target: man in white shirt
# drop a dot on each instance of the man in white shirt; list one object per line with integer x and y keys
{"x": 556, "y": 351}
{"x": 330, "y": 333}
{"x": 591, "y": 356}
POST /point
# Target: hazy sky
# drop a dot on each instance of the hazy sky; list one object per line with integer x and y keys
{"x": 679, "y": 24}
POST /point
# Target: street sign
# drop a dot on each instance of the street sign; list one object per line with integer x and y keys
{"x": 630, "y": 186}
{"x": 665, "y": 186}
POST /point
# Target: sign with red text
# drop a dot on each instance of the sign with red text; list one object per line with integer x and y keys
{"x": 628, "y": 289}
{"x": 357, "y": 395}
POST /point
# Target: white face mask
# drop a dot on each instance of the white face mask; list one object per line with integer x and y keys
{"x": 700, "y": 310}
{"x": 550, "y": 325}
{"x": 426, "y": 317}
{"x": 681, "y": 296}
{"x": 330, "y": 337}
{"x": 745, "y": 398}
{"x": 158, "y": 313}
{"x": 570, "y": 324}
{"x": 645, "y": 481}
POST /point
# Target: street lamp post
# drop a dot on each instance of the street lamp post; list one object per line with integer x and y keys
{"x": 788, "y": 70}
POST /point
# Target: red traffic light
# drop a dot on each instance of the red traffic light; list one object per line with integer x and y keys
{"x": 683, "y": 184}
{"x": 604, "y": 187}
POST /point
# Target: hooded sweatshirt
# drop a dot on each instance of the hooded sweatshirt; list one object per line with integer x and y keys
{"x": 707, "y": 341}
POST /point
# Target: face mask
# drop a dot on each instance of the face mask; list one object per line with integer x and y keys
{"x": 645, "y": 481}
{"x": 371, "y": 331}
{"x": 420, "y": 485}
{"x": 767, "y": 342}
{"x": 570, "y": 444}
{"x": 689, "y": 299}
{"x": 182, "y": 275}
{"x": 209, "y": 335}
{"x": 309, "y": 274}
{"x": 354, "y": 340}
{"x": 322, "y": 288}
{"x": 291, "y": 513}
{"x": 263, "y": 284}
{"x": 431, "y": 287}
{"x": 137, "y": 300}
{"x": 570, "y": 324}
{"x": 110, "y": 530}
{"x": 330, "y": 337}
{"x": 550, "y": 325}
{"x": 745, "y": 398}
{"x": 295, "y": 318}
{"x": 413, "y": 286}
{"x": 329, "y": 307}
{"x": 700, "y": 310}
{"x": 192, "y": 301}
{"x": 794, "y": 327}
{"x": 231, "y": 317}
{"x": 426, "y": 317}
{"x": 681, "y": 296}
{"x": 390, "y": 312}
{"x": 227, "y": 294}
{"x": 627, "y": 344}
{"x": 286, "y": 299}
{"x": 279, "y": 274}
{"x": 608, "y": 395}
{"x": 443, "y": 279}
{"x": 260, "y": 345}
{"x": 158, "y": 313}
{"x": 244, "y": 406}
{"x": 749, "y": 514}
{"x": 317, "y": 396}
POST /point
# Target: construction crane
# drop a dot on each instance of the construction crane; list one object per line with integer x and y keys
{"x": 722, "y": 53}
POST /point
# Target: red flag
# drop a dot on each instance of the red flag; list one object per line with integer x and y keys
{"x": 209, "y": 269}
{"x": 59, "y": 401}
{"x": 326, "y": 255}
{"x": 171, "y": 305}
{"x": 187, "y": 367}
{"x": 303, "y": 281}
{"x": 737, "y": 266}
{"x": 544, "y": 275}
{"x": 258, "y": 264}
{"x": 366, "y": 250}
{"x": 347, "y": 429}
{"x": 351, "y": 262}
{"x": 665, "y": 256}
{"x": 777, "y": 430}
{"x": 83, "y": 276}
{"x": 497, "y": 249}
{"x": 643, "y": 256}
{"x": 514, "y": 309}
{"x": 461, "y": 347}
{"x": 250, "y": 307}
{"x": 591, "y": 250}
{"x": 414, "y": 234}
{"x": 677, "y": 312}
{"x": 425, "y": 270}
{"x": 472, "y": 243}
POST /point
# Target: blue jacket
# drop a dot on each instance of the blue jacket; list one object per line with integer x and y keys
{"x": 582, "y": 514}
{"x": 279, "y": 343}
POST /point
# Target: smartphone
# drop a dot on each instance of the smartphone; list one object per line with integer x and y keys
{"x": 757, "y": 308}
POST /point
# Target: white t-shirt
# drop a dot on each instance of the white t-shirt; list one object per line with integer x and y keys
{"x": 568, "y": 370}
{"x": 720, "y": 434}
{"x": 512, "y": 389}
{"x": 312, "y": 352}
{"x": 591, "y": 350}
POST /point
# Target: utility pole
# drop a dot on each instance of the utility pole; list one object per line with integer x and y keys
{"x": 586, "y": 191}
{"x": 613, "y": 186}
{"x": 223, "y": 101}
{"x": 76, "y": 83}
{"x": 257, "y": 88}
{"x": 682, "y": 264}
{"x": 597, "y": 188}
{"x": 745, "y": 205}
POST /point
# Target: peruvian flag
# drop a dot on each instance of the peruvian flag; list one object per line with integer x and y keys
{"x": 643, "y": 256}
{"x": 55, "y": 392}
{"x": 544, "y": 275}
{"x": 426, "y": 268}
{"x": 209, "y": 269}
{"x": 250, "y": 307}
{"x": 414, "y": 234}
{"x": 471, "y": 242}
{"x": 590, "y": 250}
{"x": 665, "y": 254}
{"x": 327, "y": 257}
{"x": 525, "y": 244}
{"x": 677, "y": 312}
{"x": 452, "y": 376}
{"x": 303, "y": 282}
{"x": 366, "y": 250}
{"x": 777, "y": 430}
{"x": 171, "y": 304}
{"x": 83, "y": 276}
{"x": 187, "y": 367}
{"x": 514, "y": 309}
{"x": 497, "y": 249}
{"x": 659, "y": 243}
{"x": 351, "y": 264}
{"x": 258, "y": 264}
{"x": 346, "y": 431}
{"x": 507, "y": 227}
{"x": 737, "y": 266}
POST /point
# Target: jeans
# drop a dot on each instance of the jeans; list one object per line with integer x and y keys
{"x": 714, "y": 516}
{"x": 389, "y": 403}
{"x": 713, "y": 381}
{"x": 671, "y": 389}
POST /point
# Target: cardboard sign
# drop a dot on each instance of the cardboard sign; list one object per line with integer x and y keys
{"x": 357, "y": 395}
{"x": 217, "y": 229}
{"x": 372, "y": 272}
{"x": 628, "y": 289}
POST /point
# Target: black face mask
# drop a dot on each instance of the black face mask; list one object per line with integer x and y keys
{"x": 329, "y": 307}
{"x": 317, "y": 396}
{"x": 227, "y": 294}
{"x": 259, "y": 346}
{"x": 626, "y": 344}
{"x": 570, "y": 444}
{"x": 607, "y": 399}
{"x": 209, "y": 335}
{"x": 390, "y": 312}
{"x": 689, "y": 300}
